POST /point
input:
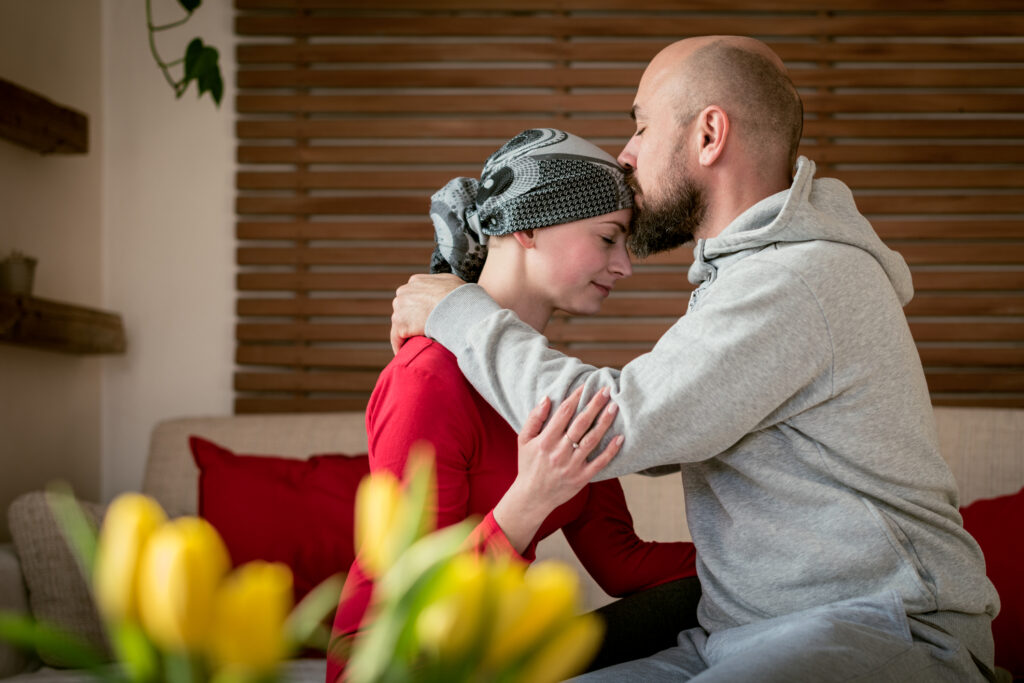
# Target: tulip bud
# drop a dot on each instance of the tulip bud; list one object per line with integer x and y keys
{"x": 182, "y": 566}
{"x": 452, "y": 619}
{"x": 546, "y": 597}
{"x": 565, "y": 653}
{"x": 130, "y": 520}
{"x": 379, "y": 514}
{"x": 249, "y": 614}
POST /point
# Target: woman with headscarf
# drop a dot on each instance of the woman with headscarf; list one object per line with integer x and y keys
{"x": 543, "y": 229}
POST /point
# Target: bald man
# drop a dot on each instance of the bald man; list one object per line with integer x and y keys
{"x": 790, "y": 396}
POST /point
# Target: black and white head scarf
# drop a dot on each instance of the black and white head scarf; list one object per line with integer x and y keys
{"x": 541, "y": 177}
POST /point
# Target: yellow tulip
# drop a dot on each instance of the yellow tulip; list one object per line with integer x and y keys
{"x": 130, "y": 520}
{"x": 380, "y": 510}
{"x": 249, "y": 614}
{"x": 566, "y": 653}
{"x": 546, "y": 597}
{"x": 182, "y": 565}
{"x": 453, "y": 618}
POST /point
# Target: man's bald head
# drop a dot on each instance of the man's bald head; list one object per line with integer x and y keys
{"x": 745, "y": 78}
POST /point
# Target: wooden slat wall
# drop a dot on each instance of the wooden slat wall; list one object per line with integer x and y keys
{"x": 350, "y": 114}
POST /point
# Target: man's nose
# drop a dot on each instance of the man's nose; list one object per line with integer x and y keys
{"x": 627, "y": 157}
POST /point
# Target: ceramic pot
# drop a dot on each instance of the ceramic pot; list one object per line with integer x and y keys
{"x": 16, "y": 274}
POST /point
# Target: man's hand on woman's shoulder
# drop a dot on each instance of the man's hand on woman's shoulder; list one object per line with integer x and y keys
{"x": 414, "y": 301}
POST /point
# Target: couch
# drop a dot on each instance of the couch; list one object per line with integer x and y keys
{"x": 984, "y": 447}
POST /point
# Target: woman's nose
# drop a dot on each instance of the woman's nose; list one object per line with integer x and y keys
{"x": 620, "y": 264}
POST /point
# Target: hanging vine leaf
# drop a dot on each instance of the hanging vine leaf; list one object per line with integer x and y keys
{"x": 201, "y": 66}
{"x": 200, "y": 61}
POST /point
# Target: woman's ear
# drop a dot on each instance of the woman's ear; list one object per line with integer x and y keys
{"x": 525, "y": 238}
{"x": 713, "y": 126}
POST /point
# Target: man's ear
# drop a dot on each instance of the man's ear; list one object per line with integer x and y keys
{"x": 525, "y": 238}
{"x": 713, "y": 127}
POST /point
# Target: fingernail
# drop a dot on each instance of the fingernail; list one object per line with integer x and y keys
{"x": 612, "y": 408}
{"x": 605, "y": 391}
{"x": 619, "y": 439}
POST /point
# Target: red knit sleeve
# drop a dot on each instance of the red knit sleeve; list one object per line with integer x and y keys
{"x": 607, "y": 545}
{"x": 488, "y": 539}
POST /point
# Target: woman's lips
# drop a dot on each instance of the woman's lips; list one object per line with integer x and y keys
{"x": 604, "y": 290}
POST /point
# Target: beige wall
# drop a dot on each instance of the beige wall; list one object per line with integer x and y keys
{"x": 141, "y": 225}
{"x": 168, "y": 203}
{"x": 50, "y": 208}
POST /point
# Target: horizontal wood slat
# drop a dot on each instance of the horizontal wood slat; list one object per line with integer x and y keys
{"x": 979, "y": 152}
{"x": 957, "y": 253}
{"x": 351, "y": 114}
{"x": 375, "y": 358}
{"x": 672, "y": 281}
{"x": 668, "y": 304}
{"x": 420, "y": 228}
{"x": 618, "y": 50}
{"x": 353, "y": 380}
{"x": 599, "y": 332}
{"x": 520, "y": 77}
{"x": 387, "y": 204}
{"x": 428, "y": 181}
{"x": 637, "y": 6}
{"x": 333, "y": 230}
{"x": 666, "y": 27}
{"x": 506, "y": 126}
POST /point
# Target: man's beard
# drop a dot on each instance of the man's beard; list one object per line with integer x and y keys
{"x": 660, "y": 227}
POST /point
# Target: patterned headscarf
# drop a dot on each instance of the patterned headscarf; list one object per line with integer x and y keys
{"x": 539, "y": 178}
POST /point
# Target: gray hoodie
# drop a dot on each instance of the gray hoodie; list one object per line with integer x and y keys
{"x": 792, "y": 398}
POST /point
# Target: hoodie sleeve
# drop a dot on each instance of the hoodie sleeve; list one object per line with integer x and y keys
{"x": 756, "y": 351}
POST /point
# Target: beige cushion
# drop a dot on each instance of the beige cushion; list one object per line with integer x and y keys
{"x": 172, "y": 476}
{"x": 13, "y": 598}
{"x": 659, "y": 514}
{"x": 57, "y": 591}
{"x": 985, "y": 449}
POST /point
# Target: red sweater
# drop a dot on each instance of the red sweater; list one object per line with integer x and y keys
{"x": 422, "y": 394}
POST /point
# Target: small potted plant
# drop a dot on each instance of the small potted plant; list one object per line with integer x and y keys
{"x": 16, "y": 273}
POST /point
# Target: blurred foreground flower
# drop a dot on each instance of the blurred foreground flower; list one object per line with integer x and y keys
{"x": 176, "y": 614}
{"x": 442, "y": 613}
{"x": 249, "y": 616}
{"x": 129, "y": 522}
{"x": 180, "y": 573}
{"x": 173, "y": 609}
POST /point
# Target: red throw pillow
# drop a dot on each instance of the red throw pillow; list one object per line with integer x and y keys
{"x": 288, "y": 510}
{"x": 998, "y": 526}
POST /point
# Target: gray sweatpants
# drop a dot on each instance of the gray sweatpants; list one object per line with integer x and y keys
{"x": 862, "y": 639}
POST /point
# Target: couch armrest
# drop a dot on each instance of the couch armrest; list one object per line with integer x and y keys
{"x": 13, "y": 598}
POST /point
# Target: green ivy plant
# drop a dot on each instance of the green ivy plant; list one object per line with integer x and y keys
{"x": 200, "y": 60}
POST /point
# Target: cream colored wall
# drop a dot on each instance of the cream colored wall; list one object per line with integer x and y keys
{"x": 50, "y": 208}
{"x": 168, "y": 199}
{"x": 141, "y": 225}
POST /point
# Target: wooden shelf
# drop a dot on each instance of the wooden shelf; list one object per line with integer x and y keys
{"x": 55, "y": 326}
{"x": 32, "y": 121}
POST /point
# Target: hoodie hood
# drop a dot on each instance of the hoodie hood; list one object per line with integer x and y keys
{"x": 812, "y": 209}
